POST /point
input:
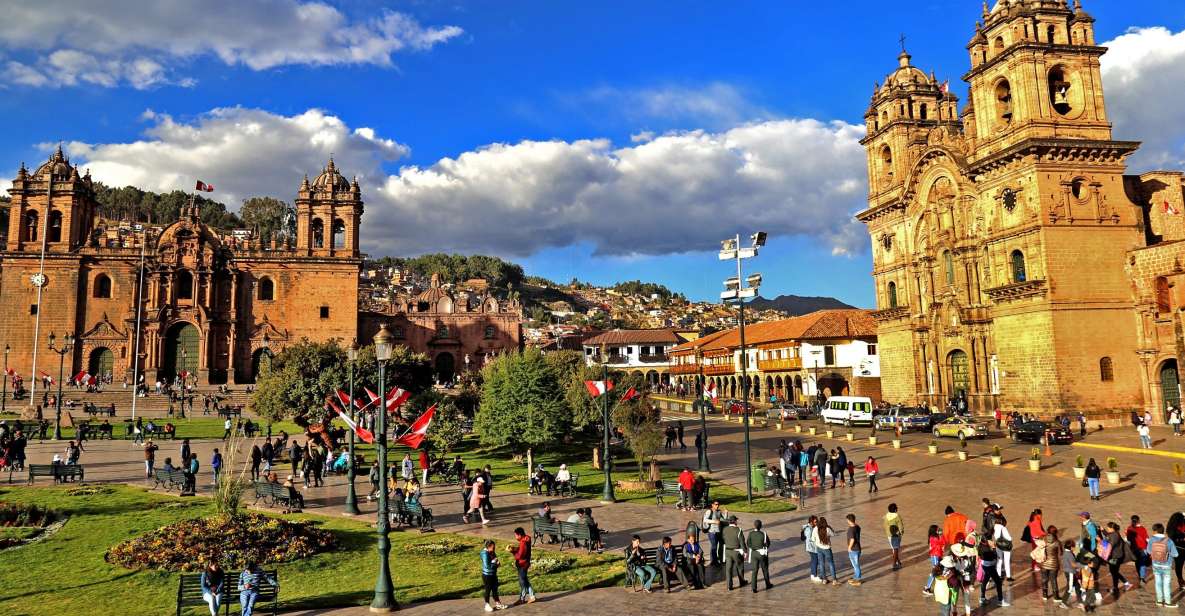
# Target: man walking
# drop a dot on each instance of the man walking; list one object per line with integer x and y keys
{"x": 682, "y": 445}
{"x": 295, "y": 453}
{"x": 1162, "y": 552}
{"x": 216, "y": 466}
{"x": 758, "y": 544}
{"x": 699, "y": 445}
{"x": 226, "y": 428}
{"x": 149, "y": 458}
{"x": 734, "y": 551}
{"x": 854, "y": 549}
{"x": 522, "y": 562}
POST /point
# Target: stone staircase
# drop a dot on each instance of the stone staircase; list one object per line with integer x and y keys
{"x": 152, "y": 405}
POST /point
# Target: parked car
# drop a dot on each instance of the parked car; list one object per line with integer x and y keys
{"x": 935, "y": 419}
{"x": 848, "y": 410}
{"x": 788, "y": 412}
{"x": 962, "y": 427}
{"x": 910, "y": 418}
{"x": 1034, "y": 432}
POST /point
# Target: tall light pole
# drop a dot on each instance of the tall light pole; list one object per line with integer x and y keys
{"x": 62, "y": 352}
{"x": 734, "y": 289}
{"x": 139, "y": 312}
{"x": 703, "y": 420}
{"x": 4, "y": 396}
{"x": 351, "y": 496}
{"x": 267, "y": 356}
{"x": 607, "y": 495}
{"x": 818, "y": 392}
{"x": 384, "y": 593}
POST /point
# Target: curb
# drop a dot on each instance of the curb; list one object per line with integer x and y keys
{"x": 1120, "y": 448}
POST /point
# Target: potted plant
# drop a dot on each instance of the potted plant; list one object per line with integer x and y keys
{"x": 850, "y": 436}
{"x": 897, "y": 443}
{"x": 1112, "y": 471}
{"x": 830, "y": 433}
{"x": 962, "y": 449}
{"x": 872, "y": 438}
{"x": 997, "y": 459}
{"x": 1079, "y": 467}
{"x": 932, "y": 447}
{"x": 897, "y": 437}
{"x": 1178, "y": 479}
{"x": 813, "y": 430}
{"x": 1035, "y": 459}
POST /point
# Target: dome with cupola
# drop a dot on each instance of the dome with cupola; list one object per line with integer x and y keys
{"x": 331, "y": 180}
{"x": 59, "y": 164}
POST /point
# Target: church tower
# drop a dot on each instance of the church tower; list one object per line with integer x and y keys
{"x": 328, "y": 213}
{"x": 53, "y": 203}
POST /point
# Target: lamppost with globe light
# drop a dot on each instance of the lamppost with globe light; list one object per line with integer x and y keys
{"x": 734, "y": 290}
{"x": 351, "y": 496}
{"x": 384, "y": 594}
{"x": 62, "y": 352}
{"x": 266, "y": 356}
{"x": 4, "y": 395}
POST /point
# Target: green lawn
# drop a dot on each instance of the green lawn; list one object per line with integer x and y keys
{"x": 66, "y": 573}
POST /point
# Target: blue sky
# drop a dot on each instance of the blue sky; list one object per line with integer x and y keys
{"x": 607, "y": 141}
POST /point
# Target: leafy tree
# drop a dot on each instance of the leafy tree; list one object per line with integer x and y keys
{"x": 637, "y": 287}
{"x": 573, "y": 371}
{"x": 265, "y": 214}
{"x": 136, "y": 205}
{"x": 522, "y": 403}
{"x": 447, "y": 428}
{"x": 459, "y": 268}
{"x": 640, "y": 423}
{"x": 297, "y": 380}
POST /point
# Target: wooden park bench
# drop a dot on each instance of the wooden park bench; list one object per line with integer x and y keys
{"x": 60, "y": 472}
{"x": 571, "y": 532}
{"x": 540, "y": 527}
{"x": 272, "y": 494}
{"x": 169, "y": 480}
{"x": 189, "y": 591}
{"x": 413, "y": 514}
{"x": 651, "y": 557}
{"x": 570, "y": 488}
{"x": 665, "y": 488}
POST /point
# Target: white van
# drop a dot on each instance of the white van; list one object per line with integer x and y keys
{"x": 847, "y": 410}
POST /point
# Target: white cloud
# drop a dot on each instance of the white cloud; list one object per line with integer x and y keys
{"x": 715, "y": 104}
{"x": 1143, "y": 72}
{"x": 676, "y": 192}
{"x": 112, "y": 42}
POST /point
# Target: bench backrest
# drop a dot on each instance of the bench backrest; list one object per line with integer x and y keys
{"x": 574, "y": 529}
{"x": 189, "y": 589}
{"x": 49, "y": 469}
{"x": 670, "y": 486}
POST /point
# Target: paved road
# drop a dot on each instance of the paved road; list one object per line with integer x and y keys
{"x": 921, "y": 484}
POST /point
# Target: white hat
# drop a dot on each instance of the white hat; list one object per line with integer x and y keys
{"x": 947, "y": 562}
{"x": 563, "y": 466}
{"x": 480, "y": 480}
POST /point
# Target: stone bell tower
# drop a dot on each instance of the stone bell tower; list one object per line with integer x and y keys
{"x": 328, "y": 214}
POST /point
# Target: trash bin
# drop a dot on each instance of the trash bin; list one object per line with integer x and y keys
{"x": 758, "y": 475}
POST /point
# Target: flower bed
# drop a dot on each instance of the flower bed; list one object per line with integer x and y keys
{"x": 552, "y": 564}
{"x": 439, "y": 547}
{"x": 185, "y": 545}
{"x": 19, "y": 514}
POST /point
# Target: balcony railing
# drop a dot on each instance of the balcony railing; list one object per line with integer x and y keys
{"x": 615, "y": 359}
{"x": 718, "y": 369}
{"x": 774, "y": 365}
{"x": 684, "y": 369}
{"x": 657, "y": 358}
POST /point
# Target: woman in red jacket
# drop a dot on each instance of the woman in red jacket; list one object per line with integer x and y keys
{"x": 871, "y": 468}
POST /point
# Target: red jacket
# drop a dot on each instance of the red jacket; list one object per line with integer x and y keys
{"x": 423, "y": 459}
{"x": 1138, "y": 537}
{"x": 686, "y": 480}
{"x": 522, "y": 556}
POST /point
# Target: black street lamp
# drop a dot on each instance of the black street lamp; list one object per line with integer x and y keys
{"x": 62, "y": 352}
{"x": 607, "y": 495}
{"x": 351, "y": 496}
{"x": 730, "y": 250}
{"x": 703, "y": 420}
{"x": 384, "y": 593}
{"x": 4, "y": 395}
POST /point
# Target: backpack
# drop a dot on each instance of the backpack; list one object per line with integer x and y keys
{"x": 1105, "y": 549}
{"x": 1158, "y": 551}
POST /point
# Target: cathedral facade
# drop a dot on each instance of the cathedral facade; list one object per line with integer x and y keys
{"x": 1016, "y": 265}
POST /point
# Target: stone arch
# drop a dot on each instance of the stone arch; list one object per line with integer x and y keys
{"x": 54, "y": 230}
{"x": 318, "y": 233}
{"x": 102, "y": 287}
{"x": 29, "y": 227}
{"x": 182, "y": 350}
{"x": 445, "y": 366}
{"x": 101, "y": 362}
{"x": 1170, "y": 386}
{"x": 267, "y": 289}
{"x": 339, "y": 233}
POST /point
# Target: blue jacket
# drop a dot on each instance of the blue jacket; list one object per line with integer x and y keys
{"x": 489, "y": 563}
{"x": 252, "y": 579}
{"x": 211, "y": 586}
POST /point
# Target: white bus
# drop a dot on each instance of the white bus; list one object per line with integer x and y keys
{"x": 847, "y": 410}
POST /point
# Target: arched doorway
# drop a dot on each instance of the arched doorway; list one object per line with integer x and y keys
{"x": 446, "y": 367}
{"x": 181, "y": 351}
{"x": 1170, "y": 387}
{"x": 833, "y": 385}
{"x": 960, "y": 377}
{"x": 101, "y": 362}
{"x": 258, "y": 359}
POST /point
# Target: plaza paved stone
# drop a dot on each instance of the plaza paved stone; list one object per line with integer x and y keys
{"x": 921, "y": 484}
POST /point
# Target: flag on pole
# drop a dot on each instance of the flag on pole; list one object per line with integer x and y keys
{"x": 597, "y": 388}
{"x": 418, "y": 430}
{"x": 629, "y": 394}
{"x": 9, "y": 372}
{"x": 395, "y": 398}
{"x": 204, "y": 187}
{"x": 345, "y": 400}
{"x": 85, "y": 378}
{"x": 363, "y": 433}
{"x": 710, "y": 391}
{"x": 946, "y": 87}
{"x": 1169, "y": 209}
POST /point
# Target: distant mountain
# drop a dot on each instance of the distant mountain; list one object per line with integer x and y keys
{"x": 795, "y": 305}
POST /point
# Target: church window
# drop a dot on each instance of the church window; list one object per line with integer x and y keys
{"x": 1106, "y": 370}
{"x": 1049, "y": 34}
{"x": 318, "y": 233}
{"x": 267, "y": 289}
{"x": 31, "y": 226}
{"x": 892, "y": 293}
{"x": 184, "y": 285}
{"x": 1059, "y": 91}
{"x": 490, "y": 332}
{"x": 948, "y": 262}
{"x": 1164, "y": 300}
{"x": 102, "y": 286}
{"x": 923, "y": 112}
{"x": 55, "y": 227}
{"x": 1018, "y": 266}
{"x": 442, "y": 331}
{"x": 999, "y": 46}
{"x": 1076, "y": 188}
{"x": 887, "y": 160}
{"x": 1004, "y": 101}
{"x": 324, "y": 312}
{"x": 339, "y": 233}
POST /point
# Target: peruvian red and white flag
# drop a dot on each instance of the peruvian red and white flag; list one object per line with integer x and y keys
{"x": 598, "y": 388}
{"x": 395, "y": 398}
{"x": 10, "y": 372}
{"x": 710, "y": 391}
{"x": 204, "y": 187}
{"x": 84, "y": 378}
{"x": 629, "y": 394}
{"x": 344, "y": 398}
{"x": 418, "y": 430}
{"x": 363, "y": 433}
{"x": 1169, "y": 209}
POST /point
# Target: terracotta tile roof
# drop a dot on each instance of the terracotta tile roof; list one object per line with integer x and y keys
{"x": 840, "y": 323}
{"x": 692, "y": 345}
{"x": 635, "y": 336}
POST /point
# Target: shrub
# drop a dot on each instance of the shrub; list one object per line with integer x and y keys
{"x": 1112, "y": 464}
{"x": 552, "y": 564}
{"x": 933, "y": 443}
{"x": 1079, "y": 462}
{"x": 19, "y": 514}
{"x": 438, "y": 548}
{"x": 996, "y": 451}
{"x": 1178, "y": 472}
{"x": 1035, "y": 454}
